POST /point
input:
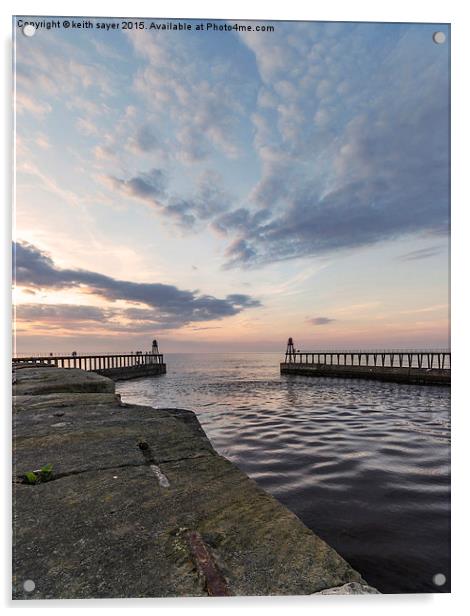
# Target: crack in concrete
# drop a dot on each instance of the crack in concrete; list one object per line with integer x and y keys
{"x": 56, "y": 476}
{"x": 202, "y": 455}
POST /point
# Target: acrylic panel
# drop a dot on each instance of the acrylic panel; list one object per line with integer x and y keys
{"x": 231, "y": 357}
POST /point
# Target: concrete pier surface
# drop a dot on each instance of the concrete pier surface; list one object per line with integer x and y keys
{"x": 133, "y": 372}
{"x": 118, "y": 500}
{"x": 414, "y": 376}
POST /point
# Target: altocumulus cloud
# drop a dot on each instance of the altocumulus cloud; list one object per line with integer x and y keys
{"x": 168, "y": 306}
{"x": 349, "y": 125}
{"x": 338, "y": 133}
{"x": 353, "y": 143}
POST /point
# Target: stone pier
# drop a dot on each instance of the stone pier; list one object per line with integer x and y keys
{"x": 412, "y": 376}
{"x": 117, "y": 500}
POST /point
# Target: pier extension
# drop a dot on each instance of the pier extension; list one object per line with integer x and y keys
{"x": 116, "y": 366}
{"x": 419, "y": 367}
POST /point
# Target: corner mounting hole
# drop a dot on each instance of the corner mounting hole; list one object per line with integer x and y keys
{"x": 29, "y": 30}
{"x": 29, "y": 585}
{"x": 439, "y": 38}
{"x": 439, "y": 579}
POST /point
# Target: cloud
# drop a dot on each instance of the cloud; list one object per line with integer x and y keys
{"x": 343, "y": 126}
{"x": 353, "y": 145}
{"x": 73, "y": 317}
{"x": 320, "y": 320}
{"x": 49, "y": 184}
{"x": 199, "y": 90}
{"x": 169, "y": 306}
{"x": 240, "y": 251}
{"x": 421, "y": 253}
{"x": 104, "y": 152}
{"x": 86, "y": 126}
{"x": 435, "y": 308}
{"x": 56, "y": 68}
{"x": 145, "y": 140}
{"x": 60, "y": 312}
{"x": 24, "y": 103}
{"x": 240, "y": 219}
{"x": 145, "y": 186}
{"x": 207, "y": 202}
{"x": 42, "y": 141}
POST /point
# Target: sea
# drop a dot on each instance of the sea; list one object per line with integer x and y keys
{"x": 364, "y": 464}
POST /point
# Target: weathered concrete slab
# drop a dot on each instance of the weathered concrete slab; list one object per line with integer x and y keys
{"x": 44, "y": 380}
{"x": 77, "y": 432}
{"x": 136, "y": 496}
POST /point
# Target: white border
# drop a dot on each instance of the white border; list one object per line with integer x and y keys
{"x": 339, "y": 10}
{"x": 452, "y": 11}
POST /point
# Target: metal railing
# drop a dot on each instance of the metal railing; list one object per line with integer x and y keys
{"x": 95, "y": 362}
{"x": 399, "y": 358}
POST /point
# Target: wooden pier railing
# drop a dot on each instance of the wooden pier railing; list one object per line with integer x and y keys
{"x": 399, "y": 358}
{"x": 92, "y": 362}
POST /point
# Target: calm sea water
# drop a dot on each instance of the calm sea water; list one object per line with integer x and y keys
{"x": 365, "y": 465}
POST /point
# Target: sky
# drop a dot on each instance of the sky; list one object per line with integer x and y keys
{"x": 224, "y": 190}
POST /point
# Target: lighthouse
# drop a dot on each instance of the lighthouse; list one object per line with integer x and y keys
{"x": 290, "y": 351}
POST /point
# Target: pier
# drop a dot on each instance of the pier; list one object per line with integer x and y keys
{"x": 421, "y": 367}
{"x": 116, "y": 500}
{"x": 116, "y": 366}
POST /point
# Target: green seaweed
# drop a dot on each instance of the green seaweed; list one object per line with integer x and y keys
{"x": 42, "y": 475}
{"x": 46, "y": 472}
{"x": 31, "y": 477}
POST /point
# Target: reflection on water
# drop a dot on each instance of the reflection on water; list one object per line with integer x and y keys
{"x": 366, "y": 465}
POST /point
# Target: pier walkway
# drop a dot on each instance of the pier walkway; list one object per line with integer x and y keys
{"x": 117, "y": 366}
{"x": 424, "y": 367}
{"x": 117, "y": 500}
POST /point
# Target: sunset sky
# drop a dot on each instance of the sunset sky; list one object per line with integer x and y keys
{"x": 222, "y": 191}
